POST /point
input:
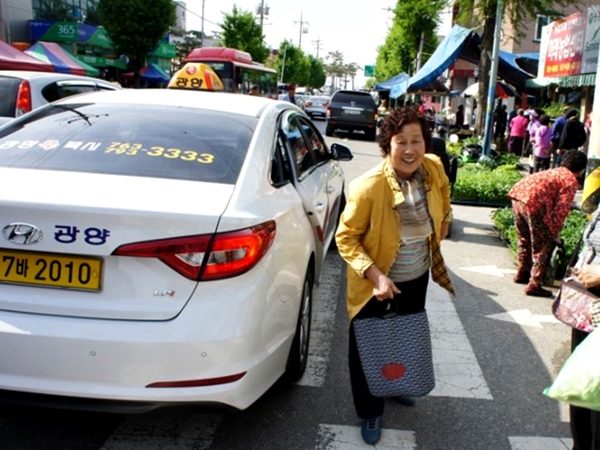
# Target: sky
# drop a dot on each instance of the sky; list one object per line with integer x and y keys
{"x": 353, "y": 27}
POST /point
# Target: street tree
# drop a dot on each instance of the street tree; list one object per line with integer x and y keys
{"x": 240, "y": 30}
{"x": 334, "y": 67}
{"x": 413, "y": 28}
{"x": 350, "y": 70}
{"x": 136, "y": 27}
{"x": 191, "y": 40}
{"x": 291, "y": 64}
{"x": 481, "y": 15}
{"x": 316, "y": 73}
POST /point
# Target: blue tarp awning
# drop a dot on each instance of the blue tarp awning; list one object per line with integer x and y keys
{"x": 396, "y": 85}
{"x": 447, "y": 52}
{"x": 462, "y": 43}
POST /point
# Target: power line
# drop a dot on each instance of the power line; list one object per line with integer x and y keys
{"x": 197, "y": 15}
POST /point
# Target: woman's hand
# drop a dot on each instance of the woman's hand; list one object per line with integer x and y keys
{"x": 588, "y": 274}
{"x": 383, "y": 287}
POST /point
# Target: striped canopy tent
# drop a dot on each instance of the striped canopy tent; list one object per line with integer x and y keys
{"x": 60, "y": 59}
{"x": 13, "y": 59}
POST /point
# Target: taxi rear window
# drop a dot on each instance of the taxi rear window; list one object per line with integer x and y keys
{"x": 139, "y": 140}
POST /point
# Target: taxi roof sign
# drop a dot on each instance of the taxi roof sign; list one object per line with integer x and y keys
{"x": 196, "y": 76}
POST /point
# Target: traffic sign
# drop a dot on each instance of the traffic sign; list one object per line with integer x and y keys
{"x": 369, "y": 71}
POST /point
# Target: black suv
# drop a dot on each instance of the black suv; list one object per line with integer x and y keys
{"x": 350, "y": 111}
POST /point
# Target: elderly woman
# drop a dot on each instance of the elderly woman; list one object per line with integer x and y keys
{"x": 541, "y": 203}
{"x": 585, "y": 423}
{"x": 389, "y": 234}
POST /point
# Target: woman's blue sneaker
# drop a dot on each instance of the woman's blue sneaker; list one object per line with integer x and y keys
{"x": 371, "y": 430}
{"x": 406, "y": 401}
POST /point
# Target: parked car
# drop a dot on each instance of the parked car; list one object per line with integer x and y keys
{"x": 22, "y": 91}
{"x": 316, "y": 106}
{"x": 352, "y": 111}
{"x": 161, "y": 246}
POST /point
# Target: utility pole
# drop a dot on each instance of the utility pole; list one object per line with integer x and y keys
{"x": 202, "y": 27}
{"x": 262, "y": 11}
{"x": 317, "y": 45}
{"x": 301, "y": 22}
{"x": 488, "y": 128}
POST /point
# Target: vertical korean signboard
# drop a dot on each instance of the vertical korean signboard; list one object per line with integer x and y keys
{"x": 564, "y": 53}
{"x": 592, "y": 41}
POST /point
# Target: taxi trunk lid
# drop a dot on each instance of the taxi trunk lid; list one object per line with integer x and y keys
{"x": 81, "y": 219}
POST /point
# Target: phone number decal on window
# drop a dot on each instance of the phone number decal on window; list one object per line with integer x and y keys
{"x": 132, "y": 149}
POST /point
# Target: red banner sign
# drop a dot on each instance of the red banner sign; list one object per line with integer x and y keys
{"x": 565, "y": 46}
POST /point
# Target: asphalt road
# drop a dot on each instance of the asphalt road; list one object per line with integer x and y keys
{"x": 495, "y": 350}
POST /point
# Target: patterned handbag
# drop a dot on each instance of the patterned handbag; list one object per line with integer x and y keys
{"x": 395, "y": 353}
{"x": 576, "y": 306}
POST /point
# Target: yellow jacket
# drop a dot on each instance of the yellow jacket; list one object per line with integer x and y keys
{"x": 369, "y": 232}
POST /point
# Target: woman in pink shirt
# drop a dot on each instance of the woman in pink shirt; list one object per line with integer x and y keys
{"x": 518, "y": 130}
{"x": 541, "y": 203}
{"x": 542, "y": 144}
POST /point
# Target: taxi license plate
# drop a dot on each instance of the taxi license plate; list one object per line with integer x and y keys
{"x": 50, "y": 270}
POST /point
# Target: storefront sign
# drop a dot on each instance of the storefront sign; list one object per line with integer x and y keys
{"x": 43, "y": 30}
{"x": 592, "y": 40}
{"x": 564, "y": 52}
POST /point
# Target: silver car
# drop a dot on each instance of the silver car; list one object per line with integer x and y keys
{"x": 316, "y": 106}
{"x": 23, "y": 91}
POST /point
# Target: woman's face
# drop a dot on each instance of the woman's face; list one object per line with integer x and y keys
{"x": 407, "y": 150}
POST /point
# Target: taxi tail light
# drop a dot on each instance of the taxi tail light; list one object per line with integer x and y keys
{"x": 23, "y": 99}
{"x": 208, "y": 257}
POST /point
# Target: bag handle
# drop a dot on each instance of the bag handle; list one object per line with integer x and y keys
{"x": 573, "y": 258}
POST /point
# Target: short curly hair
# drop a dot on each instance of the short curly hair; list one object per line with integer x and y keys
{"x": 398, "y": 119}
{"x": 574, "y": 160}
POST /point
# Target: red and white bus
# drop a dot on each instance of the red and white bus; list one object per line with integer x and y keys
{"x": 237, "y": 70}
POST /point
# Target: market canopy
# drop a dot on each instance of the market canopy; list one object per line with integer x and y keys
{"x": 152, "y": 73}
{"x": 460, "y": 42}
{"x": 60, "y": 59}
{"x": 465, "y": 44}
{"x": 502, "y": 90}
{"x": 13, "y": 59}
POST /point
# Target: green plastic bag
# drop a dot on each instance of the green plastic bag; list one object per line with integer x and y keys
{"x": 578, "y": 381}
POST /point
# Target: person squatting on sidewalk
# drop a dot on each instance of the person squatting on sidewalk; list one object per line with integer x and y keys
{"x": 541, "y": 203}
{"x": 389, "y": 235}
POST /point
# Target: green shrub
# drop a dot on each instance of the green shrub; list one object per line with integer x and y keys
{"x": 571, "y": 232}
{"x": 554, "y": 110}
{"x": 478, "y": 183}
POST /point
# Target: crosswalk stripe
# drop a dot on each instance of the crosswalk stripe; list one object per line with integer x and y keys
{"x": 325, "y": 303}
{"x": 540, "y": 443}
{"x": 345, "y": 437}
{"x": 164, "y": 430}
{"x": 457, "y": 371}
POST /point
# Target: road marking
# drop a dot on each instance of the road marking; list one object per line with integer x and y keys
{"x": 540, "y": 443}
{"x": 165, "y": 430}
{"x": 524, "y": 317}
{"x": 480, "y": 231}
{"x": 492, "y": 270}
{"x": 345, "y": 437}
{"x": 325, "y": 303}
{"x": 457, "y": 372}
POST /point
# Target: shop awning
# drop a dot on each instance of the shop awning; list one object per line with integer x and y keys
{"x": 60, "y": 59}
{"x": 586, "y": 79}
{"x": 541, "y": 82}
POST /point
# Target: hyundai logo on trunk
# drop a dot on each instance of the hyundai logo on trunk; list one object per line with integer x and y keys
{"x": 22, "y": 233}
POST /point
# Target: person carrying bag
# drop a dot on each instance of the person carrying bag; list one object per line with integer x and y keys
{"x": 389, "y": 235}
